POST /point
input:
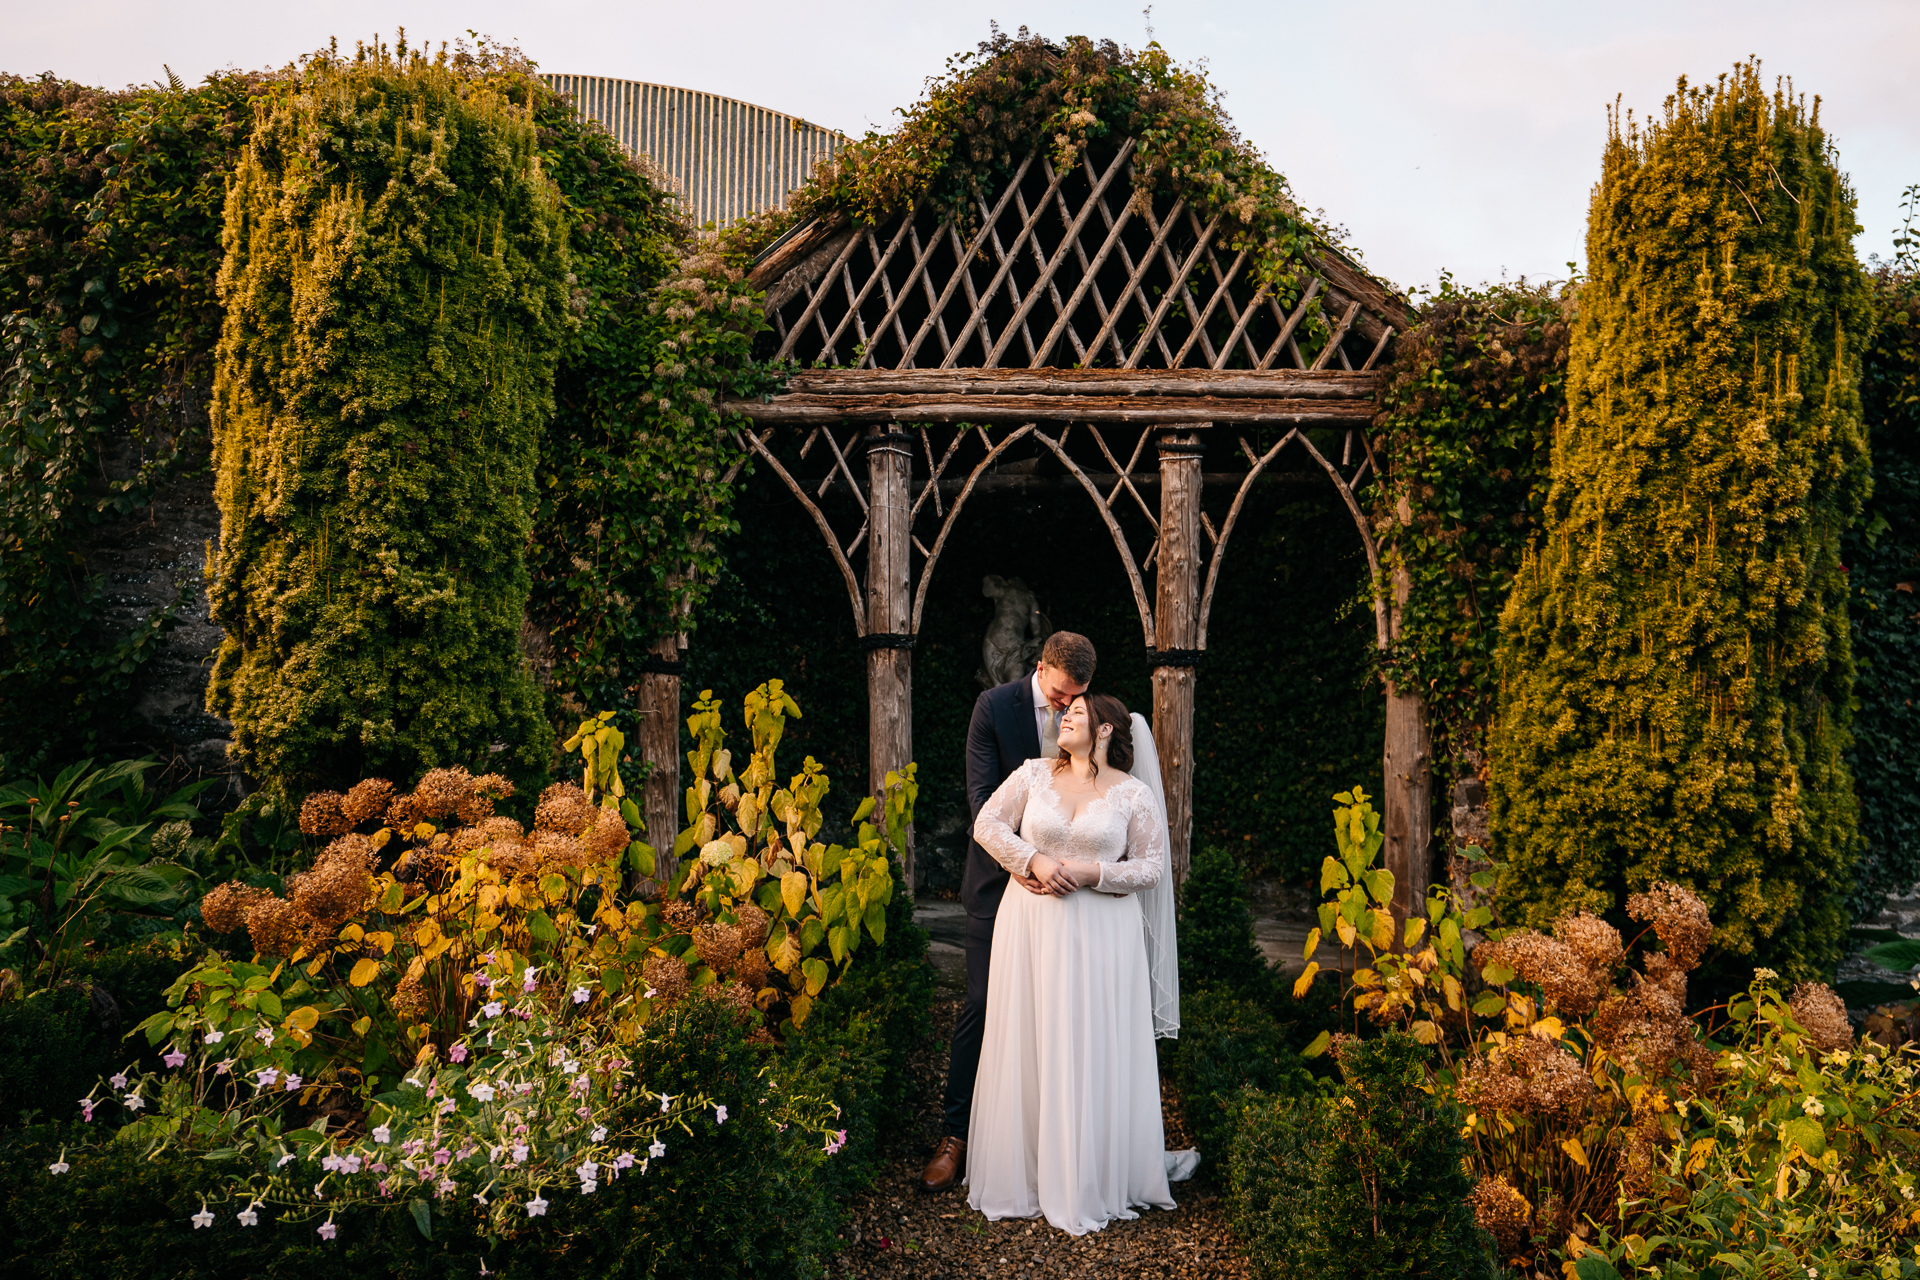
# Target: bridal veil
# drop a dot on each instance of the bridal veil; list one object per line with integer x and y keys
{"x": 1156, "y": 904}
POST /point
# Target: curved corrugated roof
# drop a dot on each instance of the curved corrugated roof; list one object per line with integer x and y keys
{"x": 728, "y": 158}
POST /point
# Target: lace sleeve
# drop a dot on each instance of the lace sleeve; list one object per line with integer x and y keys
{"x": 1146, "y": 848}
{"x": 998, "y": 826}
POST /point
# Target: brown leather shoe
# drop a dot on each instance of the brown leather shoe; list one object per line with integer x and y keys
{"x": 949, "y": 1158}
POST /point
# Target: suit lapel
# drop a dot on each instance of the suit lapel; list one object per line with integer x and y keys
{"x": 1027, "y": 732}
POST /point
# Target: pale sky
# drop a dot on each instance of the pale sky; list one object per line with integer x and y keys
{"x": 1446, "y": 136}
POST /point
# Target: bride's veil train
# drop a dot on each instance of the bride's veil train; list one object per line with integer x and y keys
{"x": 1156, "y": 904}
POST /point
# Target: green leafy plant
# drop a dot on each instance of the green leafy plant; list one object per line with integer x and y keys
{"x": 755, "y": 846}
{"x": 1413, "y": 975}
{"x": 1676, "y": 680}
{"x": 77, "y": 847}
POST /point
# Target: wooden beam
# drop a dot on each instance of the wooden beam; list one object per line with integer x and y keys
{"x": 660, "y": 747}
{"x": 1138, "y": 410}
{"x": 889, "y": 613}
{"x": 1282, "y": 384}
{"x": 1027, "y": 485}
{"x": 1177, "y": 626}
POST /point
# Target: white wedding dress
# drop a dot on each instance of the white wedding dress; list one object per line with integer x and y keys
{"x": 1066, "y": 1108}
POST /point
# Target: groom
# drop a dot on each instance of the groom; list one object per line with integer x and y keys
{"x": 1011, "y": 725}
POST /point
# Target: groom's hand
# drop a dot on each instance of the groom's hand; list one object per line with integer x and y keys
{"x": 1030, "y": 884}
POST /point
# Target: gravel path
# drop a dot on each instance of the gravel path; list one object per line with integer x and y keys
{"x": 897, "y": 1231}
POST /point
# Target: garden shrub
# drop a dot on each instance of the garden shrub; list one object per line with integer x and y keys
{"x": 1217, "y": 950}
{"x": 1373, "y": 1182}
{"x": 1674, "y": 659}
{"x": 1229, "y": 1047}
{"x": 1882, "y": 555}
{"x": 395, "y": 293}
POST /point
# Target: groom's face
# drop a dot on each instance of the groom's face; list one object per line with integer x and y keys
{"x": 1058, "y": 687}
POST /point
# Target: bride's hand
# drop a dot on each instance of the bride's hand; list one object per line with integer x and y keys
{"x": 1051, "y": 873}
{"x": 1085, "y": 874}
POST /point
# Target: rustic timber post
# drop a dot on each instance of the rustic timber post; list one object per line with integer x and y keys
{"x": 660, "y": 748}
{"x": 1407, "y": 771}
{"x": 1176, "y": 615}
{"x": 889, "y": 611}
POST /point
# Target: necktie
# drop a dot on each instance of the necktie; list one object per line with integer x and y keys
{"x": 1050, "y": 736}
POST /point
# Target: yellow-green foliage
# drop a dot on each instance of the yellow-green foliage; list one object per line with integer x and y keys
{"x": 1674, "y": 662}
{"x": 395, "y": 281}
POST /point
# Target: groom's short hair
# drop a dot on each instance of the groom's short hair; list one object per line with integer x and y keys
{"x": 1072, "y": 653}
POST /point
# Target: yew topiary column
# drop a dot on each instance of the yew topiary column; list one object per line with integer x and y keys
{"x": 395, "y": 280}
{"x": 1674, "y": 664}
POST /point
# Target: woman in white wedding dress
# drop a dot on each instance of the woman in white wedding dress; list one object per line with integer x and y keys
{"x": 1066, "y": 1110}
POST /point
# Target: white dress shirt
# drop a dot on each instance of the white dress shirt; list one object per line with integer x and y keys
{"x": 1042, "y": 712}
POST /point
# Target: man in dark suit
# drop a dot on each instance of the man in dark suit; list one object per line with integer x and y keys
{"x": 1012, "y": 724}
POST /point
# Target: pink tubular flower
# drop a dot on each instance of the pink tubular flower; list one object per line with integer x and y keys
{"x": 118, "y": 1080}
{"x": 86, "y": 1108}
{"x": 327, "y": 1230}
{"x": 837, "y": 1141}
{"x": 174, "y": 1059}
{"x": 458, "y": 1053}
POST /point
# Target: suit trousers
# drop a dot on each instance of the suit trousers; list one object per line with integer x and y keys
{"x": 969, "y": 1026}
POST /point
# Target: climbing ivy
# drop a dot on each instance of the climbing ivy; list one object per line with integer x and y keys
{"x": 1882, "y": 554}
{"x": 1468, "y": 410}
{"x": 396, "y": 298}
{"x": 1674, "y": 665}
{"x": 961, "y": 142}
{"x": 110, "y": 208}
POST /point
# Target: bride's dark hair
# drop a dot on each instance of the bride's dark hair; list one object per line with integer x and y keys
{"x": 1104, "y": 708}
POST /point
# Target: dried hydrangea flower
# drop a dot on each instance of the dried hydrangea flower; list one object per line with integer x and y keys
{"x": 322, "y": 815}
{"x": 1679, "y": 919}
{"x": 1503, "y": 1212}
{"x": 367, "y": 800}
{"x": 1820, "y": 1010}
{"x": 564, "y": 808}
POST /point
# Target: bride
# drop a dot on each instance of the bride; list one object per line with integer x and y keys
{"x": 1066, "y": 1113}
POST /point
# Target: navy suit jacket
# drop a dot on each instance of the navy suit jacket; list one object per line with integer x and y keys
{"x": 1001, "y": 737}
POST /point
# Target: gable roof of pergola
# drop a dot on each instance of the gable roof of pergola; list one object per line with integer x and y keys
{"x": 1067, "y": 301}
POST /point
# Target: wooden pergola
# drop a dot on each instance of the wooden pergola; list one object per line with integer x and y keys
{"x": 1055, "y": 343}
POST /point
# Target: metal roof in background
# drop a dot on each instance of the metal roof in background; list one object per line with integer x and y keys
{"x": 728, "y": 158}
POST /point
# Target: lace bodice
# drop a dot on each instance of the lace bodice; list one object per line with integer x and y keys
{"x": 1026, "y": 816}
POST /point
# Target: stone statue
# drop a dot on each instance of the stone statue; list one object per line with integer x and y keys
{"x": 1016, "y": 633}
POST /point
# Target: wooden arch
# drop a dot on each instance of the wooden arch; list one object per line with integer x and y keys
{"x": 1074, "y": 325}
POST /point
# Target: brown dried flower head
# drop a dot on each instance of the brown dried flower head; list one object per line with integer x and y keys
{"x": 681, "y": 917}
{"x": 754, "y": 969}
{"x": 564, "y": 807}
{"x": 552, "y": 849}
{"x": 735, "y": 997}
{"x": 442, "y": 791}
{"x": 481, "y": 795}
{"x": 755, "y": 925}
{"x": 225, "y": 906}
{"x": 409, "y": 999}
{"x": 1819, "y": 1009}
{"x": 1566, "y": 978}
{"x": 1503, "y": 1212}
{"x": 367, "y": 800}
{"x": 322, "y": 816}
{"x": 1679, "y": 919}
{"x": 274, "y": 926}
{"x": 338, "y": 886}
{"x": 608, "y": 837}
{"x": 667, "y": 977}
{"x": 718, "y": 945}
{"x": 1528, "y": 1075}
{"x": 1594, "y": 940}
{"x": 403, "y": 814}
{"x": 495, "y": 834}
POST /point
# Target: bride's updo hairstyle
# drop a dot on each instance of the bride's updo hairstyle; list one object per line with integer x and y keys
{"x": 1105, "y": 709}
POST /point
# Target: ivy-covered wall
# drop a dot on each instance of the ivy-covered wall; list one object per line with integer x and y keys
{"x": 1675, "y": 669}
{"x": 395, "y": 291}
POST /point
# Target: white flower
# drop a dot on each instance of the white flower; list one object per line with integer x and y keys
{"x": 204, "y": 1218}
{"x": 327, "y": 1230}
{"x": 268, "y": 1076}
{"x": 59, "y": 1166}
{"x": 599, "y": 1133}
{"x": 588, "y": 1172}
{"x": 579, "y": 995}
{"x": 133, "y": 1102}
{"x": 651, "y": 993}
{"x": 247, "y": 1216}
{"x": 657, "y": 1150}
{"x": 215, "y": 1037}
{"x": 480, "y": 1198}
{"x": 118, "y": 1080}
{"x": 284, "y": 1160}
{"x": 666, "y": 1101}
{"x": 1812, "y": 1107}
{"x": 265, "y": 1036}
{"x": 382, "y": 1134}
{"x": 293, "y": 1082}
{"x": 719, "y": 1115}
{"x": 536, "y": 1207}
{"x": 588, "y": 1187}
{"x": 519, "y": 1153}
{"x": 481, "y": 1092}
{"x": 569, "y": 1068}
{"x": 491, "y": 1008}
